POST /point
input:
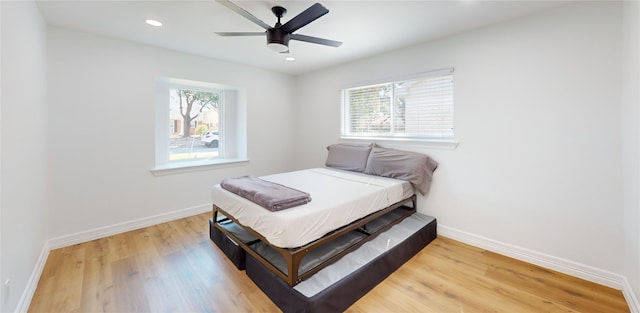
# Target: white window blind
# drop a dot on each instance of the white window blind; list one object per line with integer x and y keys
{"x": 417, "y": 108}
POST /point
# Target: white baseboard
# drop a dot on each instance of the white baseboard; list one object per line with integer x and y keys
{"x": 101, "y": 232}
{"x": 92, "y": 234}
{"x": 627, "y": 291}
{"x": 579, "y": 270}
{"x": 32, "y": 283}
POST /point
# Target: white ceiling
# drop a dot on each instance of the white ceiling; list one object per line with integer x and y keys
{"x": 366, "y": 28}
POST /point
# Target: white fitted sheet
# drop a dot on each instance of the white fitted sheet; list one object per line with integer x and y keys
{"x": 338, "y": 198}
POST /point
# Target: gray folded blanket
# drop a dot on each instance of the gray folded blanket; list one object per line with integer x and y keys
{"x": 270, "y": 195}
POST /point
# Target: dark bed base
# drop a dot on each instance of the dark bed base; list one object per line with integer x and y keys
{"x": 342, "y": 294}
{"x": 293, "y": 257}
{"x": 232, "y": 250}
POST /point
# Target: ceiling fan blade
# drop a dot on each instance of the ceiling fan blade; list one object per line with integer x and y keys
{"x": 307, "y": 16}
{"x": 240, "y": 33}
{"x": 320, "y": 41}
{"x": 234, "y": 7}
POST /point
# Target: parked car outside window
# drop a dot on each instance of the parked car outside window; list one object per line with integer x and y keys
{"x": 210, "y": 139}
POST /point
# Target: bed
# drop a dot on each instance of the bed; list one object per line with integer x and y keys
{"x": 358, "y": 186}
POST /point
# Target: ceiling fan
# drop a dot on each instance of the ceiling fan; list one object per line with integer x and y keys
{"x": 279, "y": 35}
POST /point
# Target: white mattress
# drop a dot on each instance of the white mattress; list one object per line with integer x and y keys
{"x": 338, "y": 198}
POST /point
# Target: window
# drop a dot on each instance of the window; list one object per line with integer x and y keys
{"x": 419, "y": 108}
{"x": 194, "y": 116}
{"x": 198, "y": 123}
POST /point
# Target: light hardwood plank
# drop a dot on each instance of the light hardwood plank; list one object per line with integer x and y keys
{"x": 174, "y": 267}
{"x": 97, "y": 296}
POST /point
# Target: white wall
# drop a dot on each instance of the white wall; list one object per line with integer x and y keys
{"x": 102, "y": 95}
{"x": 631, "y": 145}
{"x": 24, "y": 206}
{"x": 537, "y": 104}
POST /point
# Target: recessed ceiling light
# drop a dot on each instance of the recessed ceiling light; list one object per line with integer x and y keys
{"x": 153, "y": 23}
{"x": 290, "y": 59}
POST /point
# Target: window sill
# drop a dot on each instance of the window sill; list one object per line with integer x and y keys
{"x": 195, "y": 166}
{"x": 443, "y": 144}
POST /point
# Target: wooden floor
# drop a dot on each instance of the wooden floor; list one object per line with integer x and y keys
{"x": 174, "y": 267}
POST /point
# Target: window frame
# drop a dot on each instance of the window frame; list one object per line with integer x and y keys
{"x": 445, "y": 142}
{"x": 232, "y": 127}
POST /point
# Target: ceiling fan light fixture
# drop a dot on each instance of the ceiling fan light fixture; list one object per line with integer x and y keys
{"x": 277, "y": 47}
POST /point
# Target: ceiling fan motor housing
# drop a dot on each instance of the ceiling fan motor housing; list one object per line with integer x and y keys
{"x": 277, "y": 35}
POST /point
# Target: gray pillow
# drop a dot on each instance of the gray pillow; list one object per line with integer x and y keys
{"x": 348, "y": 157}
{"x": 410, "y": 166}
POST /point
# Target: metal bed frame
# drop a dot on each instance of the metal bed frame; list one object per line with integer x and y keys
{"x": 294, "y": 256}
